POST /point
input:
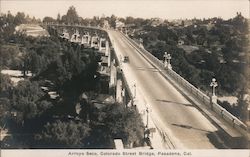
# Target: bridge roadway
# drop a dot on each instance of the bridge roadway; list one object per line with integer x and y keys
{"x": 184, "y": 121}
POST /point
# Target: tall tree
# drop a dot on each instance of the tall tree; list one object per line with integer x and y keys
{"x": 20, "y": 18}
{"x": 25, "y": 100}
{"x": 48, "y": 19}
{"x": 58, "y": 19}
{"x": 64, "y": 134}
{"x": 124, "y": 123}
{"x": 72, "y": 16}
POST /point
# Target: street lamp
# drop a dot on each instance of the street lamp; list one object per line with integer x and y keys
{"x": 213, "y": 84}
{"x": 167, "y": 57}
{"x": 248, "y": 113}
{"x": 141, "y": 42}
{"x": 134, "y": 90}
{"x": 147, "y": 111}
{"x": 0, "y": 139}
{"x": 213, "y": 98}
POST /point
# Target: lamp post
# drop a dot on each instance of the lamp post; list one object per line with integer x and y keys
{"x": 147, "y": 111}
{"x": 213, "y": 84}
{"x": 167, "y": 57}
{"x": 248, "y": 113}
{"x": 0, "y": 140}
{"x": 134, "y": 86}
{"x": 141, "y": 42}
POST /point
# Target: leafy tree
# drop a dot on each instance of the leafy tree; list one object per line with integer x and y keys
{"x": 58, "y": 19}
{"x": 243, "y": 104}
{"x": 71, "y": 17}
{"x": 19, "y": 18}
{"x": 5, "y": 88}
{"x": 5, "y": 83}
{"x": 48, "y": 20}
{"x": 64, "y": 134}
{"x": 230, "y": 79}
{"x": 124, "y": 123}
{"x": 25, "y": 99}
{"x": 112, "y": 21}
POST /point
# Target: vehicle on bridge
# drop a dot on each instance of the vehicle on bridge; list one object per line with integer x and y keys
{"x": 125, "y": 59}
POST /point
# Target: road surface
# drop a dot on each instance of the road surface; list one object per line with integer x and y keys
{"x": 183, "y": 120}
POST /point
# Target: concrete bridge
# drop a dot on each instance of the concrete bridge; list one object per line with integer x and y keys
{"x": 178, "y": 114}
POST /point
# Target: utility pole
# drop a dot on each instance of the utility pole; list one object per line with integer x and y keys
{"x": 134, "y": 94}
{"x": 147, "y": 117}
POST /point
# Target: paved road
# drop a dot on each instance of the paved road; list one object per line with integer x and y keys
{"x": 182, "y": 119}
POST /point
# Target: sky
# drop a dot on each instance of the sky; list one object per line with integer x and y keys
{"x": 166, "y": 9}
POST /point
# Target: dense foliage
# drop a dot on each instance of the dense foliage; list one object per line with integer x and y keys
{"x": 211, "y": 48}
{"x": 37, "y": 120}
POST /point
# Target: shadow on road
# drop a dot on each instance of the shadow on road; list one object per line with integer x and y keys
{"x": 147, "y": 69}
{"x": 189, "y": 127}
{"x": 172, "y": 102}
{"x": 213, "y": 137}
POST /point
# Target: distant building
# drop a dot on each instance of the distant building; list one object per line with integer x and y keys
{"x": 182, "y": 23}
{"x": 106, "y": 24}
{"x": 31, "y": 30}
{"x": 188, "y": 23}
{"x": 119, "y": 25}
{"x": 156, "y": 22}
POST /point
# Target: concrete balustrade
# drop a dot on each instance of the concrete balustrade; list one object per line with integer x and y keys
{"x": 86, "y": 39}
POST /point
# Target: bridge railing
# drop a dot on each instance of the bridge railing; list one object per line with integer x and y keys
{"x": 68, "y": 25}
{"x": 228, "y": 117}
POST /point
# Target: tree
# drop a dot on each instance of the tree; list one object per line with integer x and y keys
{"x": 112, "y": 21}
{"x": 10, "y": 18}
{"x": 5, "y": 88}
{"x": 124, "y": 123}
{"x": 48, "y": 20}
{"x": 58, "y": 19}
{"x": 35, "y": 63}
{"x": 19, "y": 18}
{"x": 229, "y": 79}
{"x": 243, "y": 104}
{"x": 129, "y": 20}
{"x": 5, "y": 83}
{"x": 25, "y": 99}
{"x": 71, "y": 17}
{"x": 64, "y": 134}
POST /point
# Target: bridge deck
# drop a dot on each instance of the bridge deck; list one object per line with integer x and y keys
{"x": 180, "y": 115}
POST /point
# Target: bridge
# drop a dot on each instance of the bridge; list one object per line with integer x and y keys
{"x": 179, "y": 115}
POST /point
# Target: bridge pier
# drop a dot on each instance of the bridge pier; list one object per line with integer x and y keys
{"x": 119, "y": 91}
{"x": 101, "y": 45}
{"x": 86, "y": 39}
{"x": 108, "y": 53}
{"x": 65, "y": 34}
{"x": 113, "y": 75}
{"x": 75, "y": 37}
{"x": 94, "y": 41}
